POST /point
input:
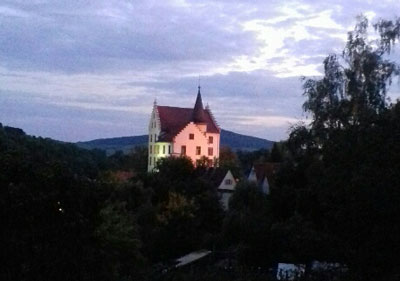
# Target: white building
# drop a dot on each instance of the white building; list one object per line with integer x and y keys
{"x": 175, "y": 131}
{"x": 226, "y": 188}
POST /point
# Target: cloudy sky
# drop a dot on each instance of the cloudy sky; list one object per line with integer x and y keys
{"x": 79, "y": 70}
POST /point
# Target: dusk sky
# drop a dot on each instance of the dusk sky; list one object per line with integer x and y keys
{"x": 81, "y": 70}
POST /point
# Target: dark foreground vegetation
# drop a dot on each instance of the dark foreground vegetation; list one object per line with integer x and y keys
{"x": 72, "y": 214}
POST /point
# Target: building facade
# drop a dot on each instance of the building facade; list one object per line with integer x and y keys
{"x": 176, "y": 131}
{"x": 226, "y": 188}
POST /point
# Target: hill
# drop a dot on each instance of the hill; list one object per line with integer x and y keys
{"x": 233, "y": 140}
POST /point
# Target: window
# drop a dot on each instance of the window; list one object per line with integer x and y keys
{"x": 191, "y": 136}
{"x": 163, "y": 149}
{"x": 155, "y": 137}
{"x": 183, "y": 150}
{"x": 198, "y": 150}
{"x": 151, "y": 149}
{"x": 169, "y": 149}
{"x": 151, "y": 138}
{"x": 156, "y": 149}
{"x": 210, "y": 140}
{"x": 228, "y": 182}
{"x": 210, "y": 151}
{"x": 150, "y": 161}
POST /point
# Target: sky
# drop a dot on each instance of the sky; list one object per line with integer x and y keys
{"x": 78, "y": 70}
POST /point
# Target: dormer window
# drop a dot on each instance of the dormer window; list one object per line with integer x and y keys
{"x": 228, "y": 181}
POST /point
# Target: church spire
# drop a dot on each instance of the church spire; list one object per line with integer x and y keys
{"x": 198, "y": 111}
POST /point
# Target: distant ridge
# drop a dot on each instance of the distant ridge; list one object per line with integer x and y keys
{"x": 230, "y": 139}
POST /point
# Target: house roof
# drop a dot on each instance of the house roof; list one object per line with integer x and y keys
{"x": 174, "y": 119}
{"x": 192, "y": 257}
{"x": 265, "y": 170}
{"x": 215, "y": 175}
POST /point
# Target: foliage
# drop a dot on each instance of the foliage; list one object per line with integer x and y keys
{"x": 186, "y": 210}
{"x": 354, "y": 87}
{"x": 117, "y": 232}
{"x": 339, "y": 185}
{"x": 247, "y": 224}
{"x": 228, "y": 160}
{"x": 56, "y": 222}
{"x": 135, "y": 160}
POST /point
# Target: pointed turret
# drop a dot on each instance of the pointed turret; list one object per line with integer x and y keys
{"x": 198, "y": 111}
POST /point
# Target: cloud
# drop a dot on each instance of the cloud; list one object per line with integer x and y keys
{"x": 118, "y": 35}
{"x": 77, "y": 70}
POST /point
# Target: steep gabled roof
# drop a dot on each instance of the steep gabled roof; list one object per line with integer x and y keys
{"x": 174, "y": 119}
{"x": 265, "y": 170}
{"x": 214, "y": 175}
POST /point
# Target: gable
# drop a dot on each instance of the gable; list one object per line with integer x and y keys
{"x": 228, "y": 183}
{"x": 199, "y": 137}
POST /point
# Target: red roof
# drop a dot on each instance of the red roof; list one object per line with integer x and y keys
{"x": 266, "y": 170}
{"x": 174, "y": 119}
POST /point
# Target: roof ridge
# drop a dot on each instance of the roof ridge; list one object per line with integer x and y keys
{"x": 174, "y": 107}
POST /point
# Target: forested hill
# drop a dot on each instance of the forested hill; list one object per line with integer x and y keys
{"x": 228, "y": 138}
{"x": 16, "y": 147}
{"x": 243, "y": 142}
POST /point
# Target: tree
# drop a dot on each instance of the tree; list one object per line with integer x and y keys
{"x": 229, "y": 160}
{"x": 342, "y": 171}
{"x": 353, "y": 89}
{"x": 186, "y": 209}
{"x": 276, "y": 153}
{"x": 118, "y": 234}
{"x": 247, "y": 225}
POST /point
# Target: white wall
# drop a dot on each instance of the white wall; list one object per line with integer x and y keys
{"x": 226, "y": 189}
{"x": 154, "y": 132}
{"x": 224, "y": 185}
{"x": 225, "y": 196}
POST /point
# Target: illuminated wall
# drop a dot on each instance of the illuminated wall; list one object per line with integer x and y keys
{"x": 197, "y": 143}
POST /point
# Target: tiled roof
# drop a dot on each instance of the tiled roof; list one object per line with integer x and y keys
{"x": 267, "y": 170}
{"x": 174, "y": 119}
{"x": 214, "y": 175}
